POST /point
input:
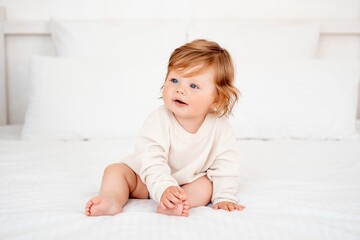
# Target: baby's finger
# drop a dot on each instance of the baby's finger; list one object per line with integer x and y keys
{"x": 230, "y": 207}
{"x": 173, "y": 199}
{"x": 179, "y": 193}
{"x": 162, "y": 205}
{"x": 239, "y": 207}
{"x": 183, "y": 195}
{"x": 168, "y": 204}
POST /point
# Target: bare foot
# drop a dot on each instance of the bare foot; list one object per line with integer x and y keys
{"x": 181, "y": 210}
{"x": 100, "y": 205}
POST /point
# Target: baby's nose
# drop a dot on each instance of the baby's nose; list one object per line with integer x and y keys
{"x": 180, "y": 90}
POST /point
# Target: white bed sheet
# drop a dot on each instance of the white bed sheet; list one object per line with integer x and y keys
{"x": 292, "y": 190}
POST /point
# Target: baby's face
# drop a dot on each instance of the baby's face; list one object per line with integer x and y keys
{"x": 190, "y": 96}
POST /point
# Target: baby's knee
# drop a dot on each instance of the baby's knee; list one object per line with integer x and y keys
{"x": 119, "y": 168}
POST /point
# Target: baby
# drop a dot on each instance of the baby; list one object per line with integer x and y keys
{"x": 185, "y": 153}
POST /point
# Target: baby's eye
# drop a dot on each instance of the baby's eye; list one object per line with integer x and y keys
{"x": 194, "y": 86}
{"x": 174, "y": 80}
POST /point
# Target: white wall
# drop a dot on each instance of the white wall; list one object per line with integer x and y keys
{"x": 19, "y": 50}
{"x": 287, "y": 9}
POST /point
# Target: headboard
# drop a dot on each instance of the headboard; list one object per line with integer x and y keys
{"x": 332, "y": 32}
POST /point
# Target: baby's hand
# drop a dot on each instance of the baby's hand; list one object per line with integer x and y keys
{"x": 171, "y": 197}
{"x": 228, "y": 206}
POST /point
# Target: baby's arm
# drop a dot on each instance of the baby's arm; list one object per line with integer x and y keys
{"x": 224, "y": 173}
{"x": 172, "y": 197}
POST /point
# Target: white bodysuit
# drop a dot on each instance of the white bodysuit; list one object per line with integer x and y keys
{"x": 167, "y": 155}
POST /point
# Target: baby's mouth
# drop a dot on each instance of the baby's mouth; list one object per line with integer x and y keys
{"x": 180, "y": 102}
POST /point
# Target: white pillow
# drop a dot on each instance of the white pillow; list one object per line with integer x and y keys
{"x": 253, "y": 41}
{"x": 305, "y": 99}
{"x": 122, "y": 39}
{"x": 76, "y": 99}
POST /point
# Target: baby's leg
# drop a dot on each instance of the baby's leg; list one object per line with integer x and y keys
{"x": 198, "y": 192}
{"x": 118, "y": 183}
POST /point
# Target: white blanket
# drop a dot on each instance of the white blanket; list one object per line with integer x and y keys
{"x": 292, "y": 190}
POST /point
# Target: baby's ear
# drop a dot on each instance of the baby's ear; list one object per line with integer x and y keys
{"x": 215, "y": 105}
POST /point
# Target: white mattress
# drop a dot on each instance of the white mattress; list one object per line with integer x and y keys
{"x": 292, "y": 190}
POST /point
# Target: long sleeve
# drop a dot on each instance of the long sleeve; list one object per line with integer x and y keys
{"x": 152, "y": 150}
{"x": 225, "y": 169}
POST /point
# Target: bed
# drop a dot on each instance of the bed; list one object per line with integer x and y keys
{"x": 296, "y": 130}
{"x": 292, "y": 189}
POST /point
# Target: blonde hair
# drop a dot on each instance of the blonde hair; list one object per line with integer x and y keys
{"x": 198, "y": 56}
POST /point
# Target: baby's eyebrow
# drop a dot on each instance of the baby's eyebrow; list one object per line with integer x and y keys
{"x": 195, "y": 80}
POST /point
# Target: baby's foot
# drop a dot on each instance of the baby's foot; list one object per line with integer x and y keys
{"x": 181, "y": 210}
{"x": 100, "y": 205}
